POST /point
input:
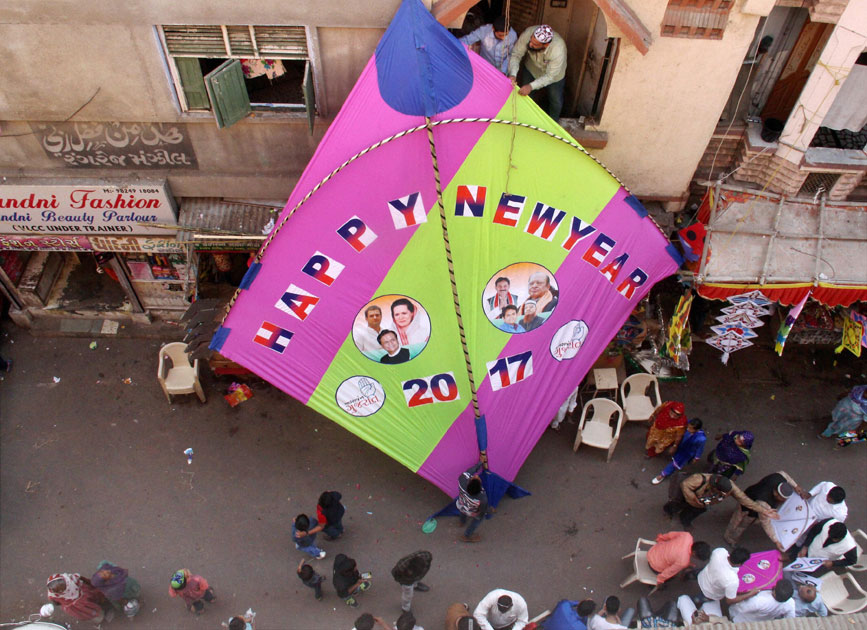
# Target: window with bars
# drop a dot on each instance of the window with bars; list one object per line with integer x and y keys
{"x": 818, "y": 184}
{"x": 232, "y": 70}
{"x": 697, "y": 19}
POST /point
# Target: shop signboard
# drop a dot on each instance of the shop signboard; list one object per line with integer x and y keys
{"x": 117, "y": 145}
{"x": 81, "y": 209}
{"x": 91, "y": 243}
{"x": 233, "y": 245}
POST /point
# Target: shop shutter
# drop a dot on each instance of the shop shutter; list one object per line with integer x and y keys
{"x": 193, "y": 83}
{"x": 309, "y": 96}
{"x": 228, "y": 93}
{"x": 239, "y": 41}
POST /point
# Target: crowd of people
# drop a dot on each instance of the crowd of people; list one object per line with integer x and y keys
{"x": 674, "y": 554}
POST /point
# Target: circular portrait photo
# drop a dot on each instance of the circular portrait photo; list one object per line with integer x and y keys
{"x": 391, "y": 329}
{"x": 520, "y": 297}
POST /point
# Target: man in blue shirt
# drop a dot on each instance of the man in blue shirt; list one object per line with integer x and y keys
{"x": 509, "y": 322}
{"x": 808, "y": 603}
{"x": 496, "y": 46}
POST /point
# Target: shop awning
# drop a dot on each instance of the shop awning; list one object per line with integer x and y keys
{"x": 212, "y": 222}
{"x": 784, "y": 247}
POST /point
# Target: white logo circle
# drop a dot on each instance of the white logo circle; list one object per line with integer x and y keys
{"x": 360, "y": 396}
{"x": 568, "y": 339}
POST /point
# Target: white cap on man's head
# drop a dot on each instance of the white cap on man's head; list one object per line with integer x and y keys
{"x": 544, "y": 34}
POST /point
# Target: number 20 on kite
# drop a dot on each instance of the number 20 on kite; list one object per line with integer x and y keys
{"x": 510, "y": 370}
{"x": 432, "y": 389}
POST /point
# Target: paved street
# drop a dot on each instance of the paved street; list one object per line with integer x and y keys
{"x": 93, "y": 469}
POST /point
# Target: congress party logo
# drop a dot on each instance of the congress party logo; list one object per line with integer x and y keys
{"x": 360, "y": 396}
{"x": 567, "y": 341}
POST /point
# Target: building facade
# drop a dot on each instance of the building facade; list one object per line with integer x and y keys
{"x": 149, "y": 117}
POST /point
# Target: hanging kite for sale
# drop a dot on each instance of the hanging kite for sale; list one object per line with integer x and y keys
{"x": 737, "y": 321}
{"x": 448, "y": 267}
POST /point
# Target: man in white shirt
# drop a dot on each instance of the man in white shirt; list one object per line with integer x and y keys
{"x": 719, "y": 579}
{"x": 608, "y": 618}
{"x": 365, "y": 335}
{"x": 502, "y": 610}
{"x": 828, "y": 500}
{"x": 767, "y": 605}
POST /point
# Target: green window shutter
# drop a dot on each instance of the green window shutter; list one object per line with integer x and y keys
{"x": 192, "y": 82}
{"x": 228, "y": 93}
{"x": 309, "y": 96}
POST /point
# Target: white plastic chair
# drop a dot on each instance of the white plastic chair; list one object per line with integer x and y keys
{"x": 838, "y": 598}
{"x": 637, "y": 404}
{"x": 176, "y": 374}
{"x": 598, "y": 431}
{"x": 861, "y": 562}
{"x": 641, "y": 571}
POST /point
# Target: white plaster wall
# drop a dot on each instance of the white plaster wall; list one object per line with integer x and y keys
{"x": 663, "y": 107}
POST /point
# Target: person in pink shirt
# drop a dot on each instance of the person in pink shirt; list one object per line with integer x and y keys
{"x": 674, "y": 552}
{"x": 193, "y": 589}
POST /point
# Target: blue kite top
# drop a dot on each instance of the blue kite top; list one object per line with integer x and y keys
{"x": 422, "y": 68}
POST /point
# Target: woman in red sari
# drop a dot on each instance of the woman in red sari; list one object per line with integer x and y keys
{"x": 668, "y": 424}
{"x": 76, "y": 596}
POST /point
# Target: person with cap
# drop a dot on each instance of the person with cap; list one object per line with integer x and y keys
{"x": 828, "y": 500}
{"x": 502, "y": 610}
{"x": 767, "y": 605}
{"x": 77, "y": 597}
{"x": 495, "y": 44}
{"x": 193, "y": 589}
{"x": 408, "y": 572}
{"x": 690, "y": 498}
{"x": 770, "y": 492}
{"x": 459, "y": 617}
{"x": 543, "y": 53}
{"x": 529, "y": 320}
{"x": 829, "y": 539}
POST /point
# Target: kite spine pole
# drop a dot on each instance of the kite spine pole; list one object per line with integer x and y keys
{"x": 448, "y": 247}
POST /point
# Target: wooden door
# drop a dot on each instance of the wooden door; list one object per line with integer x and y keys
{"x": 797, "y": 70}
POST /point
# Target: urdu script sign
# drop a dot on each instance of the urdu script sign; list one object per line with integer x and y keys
{"x": 122, "y": 145}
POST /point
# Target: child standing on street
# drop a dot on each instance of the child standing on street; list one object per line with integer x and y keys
{"x": 193, "y": 589}
{"x": 330, "y": 512}
{"x": 304, "y": 538}
{"x": 348, "y": 582}
{"x": 310, "y": 578}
